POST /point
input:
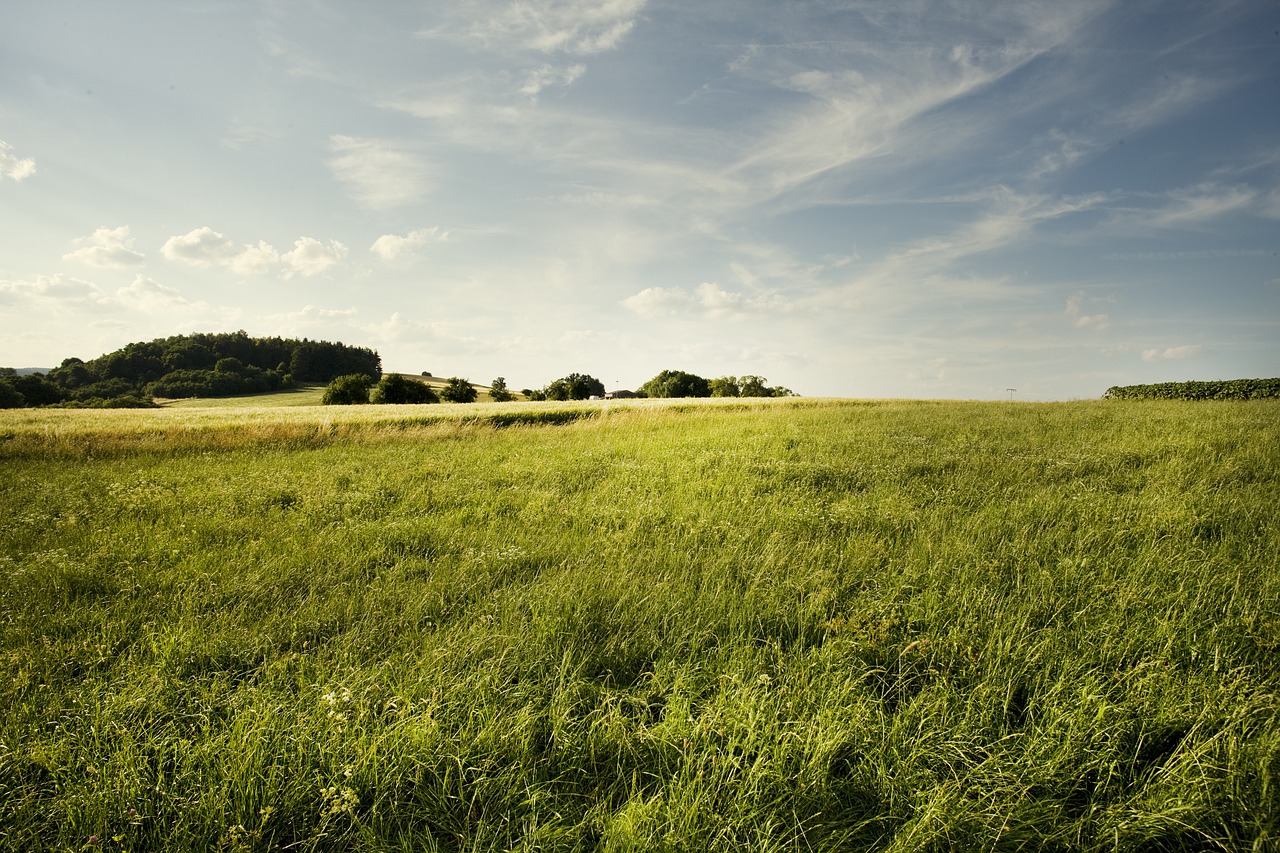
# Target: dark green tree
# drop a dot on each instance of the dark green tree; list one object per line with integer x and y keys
{"x": 347, "y": 390}
{"x": 498, "y": 391}
{"x": 575, "y": 386}
{"x": 458, "y": 390}
{"x": 676, "y": 383}
{"x": 37, "y": 390}
{"x": 397, "y": 388}
{"x": 10, "y": 397}
{"x": 725, "y": 386}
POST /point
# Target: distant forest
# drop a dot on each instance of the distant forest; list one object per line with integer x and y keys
{"x": 196, "y": 365}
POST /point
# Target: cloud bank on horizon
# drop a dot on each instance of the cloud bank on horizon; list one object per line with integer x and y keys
{"x": 920, "y": 199}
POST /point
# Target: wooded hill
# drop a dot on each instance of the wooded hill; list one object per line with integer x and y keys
{"x": 196, "y": 365}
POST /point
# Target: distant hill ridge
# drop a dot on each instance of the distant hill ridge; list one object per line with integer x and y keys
{"x": 195, "y": 365}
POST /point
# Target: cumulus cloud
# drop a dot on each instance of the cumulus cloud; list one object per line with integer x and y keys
{"x": 377, "y": 173}
{"x": 11, "y": 166}
{"x": 310, "y": 257}
{"x": 202, "y": 247}
{"x": 1096, "y": 322}
{"x": 110, "y": 248}
{"x": 254, "y": 260}
{"x": 391, "y": 246}
{"x": 707, "y": 298}
{"x": 1171, "y": 353}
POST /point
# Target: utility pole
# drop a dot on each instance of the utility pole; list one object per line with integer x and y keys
{"x": 1011, "y": 390}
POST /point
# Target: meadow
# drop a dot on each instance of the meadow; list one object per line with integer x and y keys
{"x": 773, "y": 625}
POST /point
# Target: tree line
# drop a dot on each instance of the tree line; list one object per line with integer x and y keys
{"x": 1218, "y": 389}
{"x": 397, "y": 388}
{"x": 196, "y": 365}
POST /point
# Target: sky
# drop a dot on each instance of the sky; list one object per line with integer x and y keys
{"x": 974, "y": 199}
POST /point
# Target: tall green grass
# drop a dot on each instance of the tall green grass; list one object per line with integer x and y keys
{"x": 785, "y": 625}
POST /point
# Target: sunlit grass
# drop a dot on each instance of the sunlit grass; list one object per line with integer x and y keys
{"x": 783, "y": 625}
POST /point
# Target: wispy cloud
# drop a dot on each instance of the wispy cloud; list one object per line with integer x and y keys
{"x": 708, "y": 299}
{"x": 1172, "y": 353}
{"x": 148, "y": 295}
{"x": 545, "y": 75}
{"x": 576, "y": 27}
{"x": 1192, "y": 207}
{"x": 14, "y": 167}
{"x": 109, "y": 248}
{"x": 379, "y": 173}
{"x": 50, "y": 289}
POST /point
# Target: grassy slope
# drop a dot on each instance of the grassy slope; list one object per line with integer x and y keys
{"x": 303, "y": 395}
{"x": 786, "y": 625}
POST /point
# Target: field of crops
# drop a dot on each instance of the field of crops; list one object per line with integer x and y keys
{"x": 768, "y": 625}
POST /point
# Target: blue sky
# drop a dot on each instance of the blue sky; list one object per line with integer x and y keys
{"x": 867, "y": 199}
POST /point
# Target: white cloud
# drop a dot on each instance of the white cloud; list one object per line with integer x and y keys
{"x": 1171, "y": 353}
{"x": 310, "y": 257}
{"x": 13, "y": 167}
{"x": 540, "y": 78}
{"x": 580, "y": 27}
{"x": 391, "y": 246}
{"x": 110, "y": 248}
{"x": 254, "y": 260}
{"x": 314, "y": 313}
{"x": 377, "y": 173}
{"x": 707, "y": 298}
{"x": 1096, "y": 322}
{"x": 204, "y": 247}
{"x": 1201, "y": 203}
{"x": 146, "y": 294}
{"x": 201, "y": 247}
{"x": 51, "y": 288}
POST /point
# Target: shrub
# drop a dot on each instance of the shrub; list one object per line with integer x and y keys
{"x": 347, "y": 390}
{"x": 395, "y": 388}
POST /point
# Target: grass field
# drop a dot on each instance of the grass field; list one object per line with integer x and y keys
{"x": 773, "y": 625}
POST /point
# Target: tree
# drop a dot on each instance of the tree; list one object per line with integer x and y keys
{"x": 499, "y": 392}
{"x": 37, "y": 390}
{"x": 575, "y": 386}
{"x": 347, "y": 390}
{"x": 10, "y": 397}
{"x": 395, "y": 388}
{"x": 676, "y": 383}
{"x": 458, "y": 390}
{"x": 754, "y": 386}
{"x": 725, "y": 386}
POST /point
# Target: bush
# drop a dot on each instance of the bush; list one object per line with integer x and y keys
{"x": 395, "y": 388}
{"x": 347, "y": 390}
